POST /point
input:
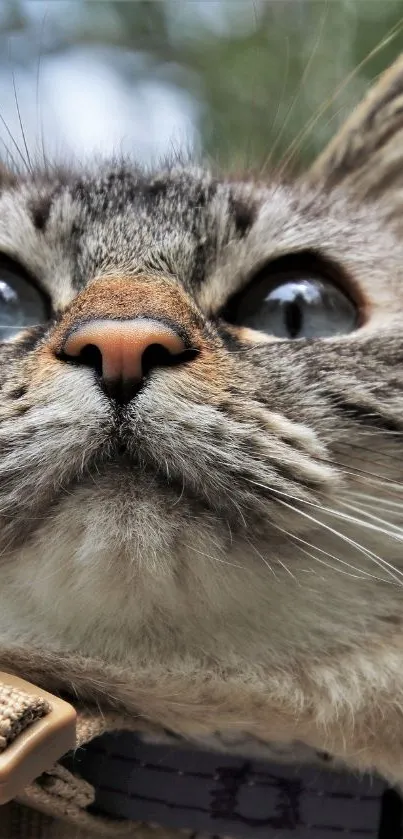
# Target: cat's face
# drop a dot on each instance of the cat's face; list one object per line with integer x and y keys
{"x": 238, "y": 502}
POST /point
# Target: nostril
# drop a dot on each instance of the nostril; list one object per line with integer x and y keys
{"x": 156, "y": 355}
{"x": 89, "y": 356}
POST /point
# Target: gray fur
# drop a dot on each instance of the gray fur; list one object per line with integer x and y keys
{"x": 186, "y": 548}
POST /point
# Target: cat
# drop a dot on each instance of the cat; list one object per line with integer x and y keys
{"x": 201, "y": 417}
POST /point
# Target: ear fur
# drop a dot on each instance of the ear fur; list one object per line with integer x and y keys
{"x": 366, "y": 156}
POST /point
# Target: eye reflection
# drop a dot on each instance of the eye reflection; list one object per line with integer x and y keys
{"x": 293, "y": 307}
{"x": 21, "y": 304}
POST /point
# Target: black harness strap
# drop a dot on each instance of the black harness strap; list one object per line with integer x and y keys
{"x": 229, "y": 796}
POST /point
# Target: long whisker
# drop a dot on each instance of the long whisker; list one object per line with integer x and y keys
{"x": 15, "y": 144}
{"x": 390, "y": 569}
{"x": 254, "y": 548}
{"x": 358, "y": 447}
{"x": 10, "y": 155}
{"x": 280, "y": 99}
{"x": 368, "y": 479}
{"x": 337, "y": 559}
{"x": 370, "y": 554}
{"x": 215, "y": 558}
{"x": 374, "y": 502}
{"x": 300, "y": 86}
{"x": 360, "y": 523}
{"x": 38, "y": 71}
{"x": 352, "y": 470}
{"x": 299, "y": 139}
{"x": 358, "y": 509}
{"x": 339, "y": 570}
{"x": 336, "y": 513}
{"x": 21, "y": 125}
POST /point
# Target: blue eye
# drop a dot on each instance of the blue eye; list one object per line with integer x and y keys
{"x": 305, "y": 308}
{"x": 21, "y": 304}
{"x": 293, "y": 305}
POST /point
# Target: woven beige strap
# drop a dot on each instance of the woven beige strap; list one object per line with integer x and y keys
{"x": 36, "y": 729}
{"x": 17, "y": 711}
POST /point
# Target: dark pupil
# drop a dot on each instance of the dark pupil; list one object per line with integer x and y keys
{"x": 293, "y": 318}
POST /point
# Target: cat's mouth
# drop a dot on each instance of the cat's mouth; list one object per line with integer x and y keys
{"x": 214, "y": 469}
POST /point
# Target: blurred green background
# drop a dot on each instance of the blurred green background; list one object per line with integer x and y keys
{"x": 247, "y": 83}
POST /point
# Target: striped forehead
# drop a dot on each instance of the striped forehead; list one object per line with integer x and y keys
{"x": 67, "y": 233}
{"x": 208, "y": 235}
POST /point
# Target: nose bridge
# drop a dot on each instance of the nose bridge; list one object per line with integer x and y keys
{"x": 130, "y": 297}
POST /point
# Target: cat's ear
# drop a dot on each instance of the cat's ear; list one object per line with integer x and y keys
{"x": 366, "y": 155}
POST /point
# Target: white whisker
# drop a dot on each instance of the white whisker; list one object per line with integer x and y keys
{"x": 336, "y": 513}
{"x": 391, "y": 570}
{"x": 361, "y": 474}
{"x": 358, "y": 509}
{"x": 339, "y": 570}
{"x": 375, "y": 502}
{"x": 370, "y": 554}
{"x": 215, "y": 558}
{"x": 254, "y": 548}
{"x": 331, "y": 556}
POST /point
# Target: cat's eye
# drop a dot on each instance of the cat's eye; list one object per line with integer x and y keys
{"x": 293, "y": 305}
{"x": 21, "y": 303}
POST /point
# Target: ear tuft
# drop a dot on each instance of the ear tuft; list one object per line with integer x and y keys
{"x": 366, "y": 156}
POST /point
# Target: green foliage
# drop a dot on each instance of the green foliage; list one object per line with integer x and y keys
{"x": 272, "y": 79}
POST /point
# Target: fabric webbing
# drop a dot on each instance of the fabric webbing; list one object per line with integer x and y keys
{"x": 18, "y": 710}
{"x": 229, "y": 796}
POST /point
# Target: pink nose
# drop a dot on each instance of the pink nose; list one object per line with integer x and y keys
{"x": 122, "y": 352}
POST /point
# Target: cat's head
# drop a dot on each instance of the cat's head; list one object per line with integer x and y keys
{"x": 201, "y": 412}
